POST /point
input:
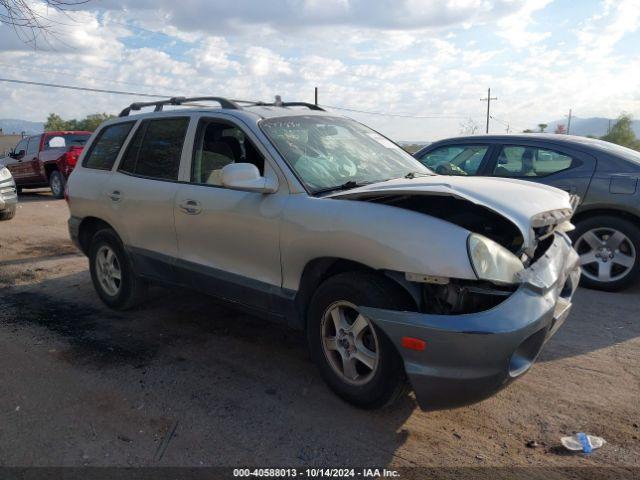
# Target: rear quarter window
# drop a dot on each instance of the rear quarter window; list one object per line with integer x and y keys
{"x": 103, "y": 152}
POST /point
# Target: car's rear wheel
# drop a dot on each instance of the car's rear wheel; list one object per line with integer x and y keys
{"x": 112, "y": 273}
{"x": 609, "y": 249}
{"x": 8, "y": 213}
{"x": 56, "y": 183}
{"x": 354, "y": 356}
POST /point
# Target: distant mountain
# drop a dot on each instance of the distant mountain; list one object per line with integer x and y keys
{"x": 596, "y": 126}
{"x": 13, "y": 125}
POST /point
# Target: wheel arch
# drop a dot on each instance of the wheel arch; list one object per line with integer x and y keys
{"x": 88, "y": 228}
{"x": 606, "y": 211}
{"x": 49, "y": 168}
{"x": 320, "y": 269}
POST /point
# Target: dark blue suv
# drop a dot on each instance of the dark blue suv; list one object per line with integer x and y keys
{"x": 604, "y": 176}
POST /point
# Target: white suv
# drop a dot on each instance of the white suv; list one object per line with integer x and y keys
{"x": 317, "y": 221}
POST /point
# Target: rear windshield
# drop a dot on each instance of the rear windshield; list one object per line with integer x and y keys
{"x": 66, "y": 140}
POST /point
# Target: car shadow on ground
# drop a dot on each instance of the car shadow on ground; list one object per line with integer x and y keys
{"x": 36, "y": 195}
{"x": 597, "y": 320}
{"x": 222, "y": 363}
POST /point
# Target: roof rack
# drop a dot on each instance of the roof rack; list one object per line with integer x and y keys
{"x": 224, "y": 103}
{"x": 279, "y": 103}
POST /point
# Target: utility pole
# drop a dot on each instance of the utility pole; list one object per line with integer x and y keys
{"x": 569, "y": 123}
{"x": 488, "y": 100}
{"x": 316, "y": 95}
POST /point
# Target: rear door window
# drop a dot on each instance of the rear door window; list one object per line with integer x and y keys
{"x": 156, "y": 148}
{"x": 104, "y": 150}
{"x": 522, "y": 162}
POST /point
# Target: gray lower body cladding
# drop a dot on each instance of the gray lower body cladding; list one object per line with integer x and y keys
{"x": 470, "y": 357}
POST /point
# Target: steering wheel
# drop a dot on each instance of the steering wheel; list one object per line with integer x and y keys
{"x": 347, "y": 168}
{"x": 449, "y": 169}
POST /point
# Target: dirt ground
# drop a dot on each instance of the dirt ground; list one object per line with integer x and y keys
{"x": 83, "y": 385}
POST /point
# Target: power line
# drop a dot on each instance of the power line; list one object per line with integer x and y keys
{"x": 84, "y": 89}
{"x": 140, "y": 94}
{"x": 388, "y": 114}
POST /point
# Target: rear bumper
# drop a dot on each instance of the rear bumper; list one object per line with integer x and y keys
{"x": 8, "y": 195}
{"x": 472, "y": 356}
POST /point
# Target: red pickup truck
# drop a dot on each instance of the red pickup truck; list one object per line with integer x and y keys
{"x": 46, "y": 160}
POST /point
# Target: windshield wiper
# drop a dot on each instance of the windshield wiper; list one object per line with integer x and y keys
{"x": 345, "y": 186}
{"x": 411, "y": 175}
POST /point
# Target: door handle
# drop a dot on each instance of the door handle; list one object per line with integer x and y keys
{"x": 190, "y": 207}
{"x": 115, "y": 195}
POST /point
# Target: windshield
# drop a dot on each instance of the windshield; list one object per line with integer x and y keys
{"x": 331, "y": 153}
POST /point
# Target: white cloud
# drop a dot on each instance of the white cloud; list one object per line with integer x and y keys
{"x": 415, "y": 56}
{"x": 515, "y": 27}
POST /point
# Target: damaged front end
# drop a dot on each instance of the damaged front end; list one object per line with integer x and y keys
{"x": 480, "y": 338}
{"x": 482, "y": 333}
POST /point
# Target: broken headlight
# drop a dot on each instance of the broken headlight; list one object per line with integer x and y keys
{"x": 491, "y": 261}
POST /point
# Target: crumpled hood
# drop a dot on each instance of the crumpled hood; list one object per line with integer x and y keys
{"x": 526, "y": 204}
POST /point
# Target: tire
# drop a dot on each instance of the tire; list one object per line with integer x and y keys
{"x": 597, "y": 238}
{"x": 370, "y": 388}
{"x": 56, "y": 184}
{"x": 130, "y": 290}
{"x": 8, "y": 213}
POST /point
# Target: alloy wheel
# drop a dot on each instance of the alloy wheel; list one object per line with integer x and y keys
{"x": 108, "y": 270}
{"x": 350, "y": 343}
{"x": 56, "y": 185}
{"x": 606, "y": 254}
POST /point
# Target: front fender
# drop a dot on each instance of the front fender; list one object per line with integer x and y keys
{"x": 379, "y": 236}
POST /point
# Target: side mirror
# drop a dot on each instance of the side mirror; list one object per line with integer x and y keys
{"x": 19, "y": 154}
{"x": 246, "y": 176}
{"x": 502, "y": 161}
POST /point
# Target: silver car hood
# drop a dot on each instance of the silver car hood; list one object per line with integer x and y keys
{"x": 526, "y": 204}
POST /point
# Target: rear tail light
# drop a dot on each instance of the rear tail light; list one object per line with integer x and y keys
{"x": 71, "y": 157}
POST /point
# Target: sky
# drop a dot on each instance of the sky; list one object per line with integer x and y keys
{"x": 429, "y": 62}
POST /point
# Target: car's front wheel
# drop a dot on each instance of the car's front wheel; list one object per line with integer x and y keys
{"x": 112, "y": 273}
{"x": 609, "y": 249}
{"x": 354, "y": 356}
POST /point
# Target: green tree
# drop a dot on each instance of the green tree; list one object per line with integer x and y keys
{"x": 55, "y": 122}
{"x": 622, "y": 134}
{"x": 542, "y": 127}
{"x": 90, "y": 122}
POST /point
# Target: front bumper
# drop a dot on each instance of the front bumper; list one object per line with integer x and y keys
{"x": 8, "y": 195}
{"x": 470, "y": 357}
